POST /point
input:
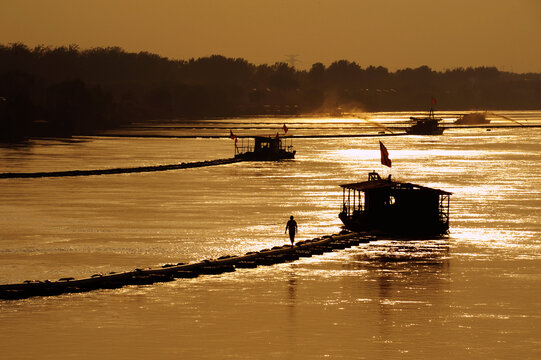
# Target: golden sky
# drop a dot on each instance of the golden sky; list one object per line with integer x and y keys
{"x": 393, "y": 33}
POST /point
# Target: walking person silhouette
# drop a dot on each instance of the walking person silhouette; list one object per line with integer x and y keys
{"x": 292, "y": 227}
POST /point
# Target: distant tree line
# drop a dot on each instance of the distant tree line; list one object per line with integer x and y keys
{"x": 63, "y": 91}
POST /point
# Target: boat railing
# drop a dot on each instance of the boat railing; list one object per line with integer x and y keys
{"x": 245, "y": 146}
{"x": 444, "y": 209}
{"x": 287, "y": 146}
{"x": 352, "y": 202}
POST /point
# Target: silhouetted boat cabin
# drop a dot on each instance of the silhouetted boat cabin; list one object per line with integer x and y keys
{"x": 264, "y": 148}
{"x": 387, "y": 206}
{"x": 428, "y": 125}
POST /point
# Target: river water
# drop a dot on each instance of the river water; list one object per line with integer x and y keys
{"x": 475, "y": 294}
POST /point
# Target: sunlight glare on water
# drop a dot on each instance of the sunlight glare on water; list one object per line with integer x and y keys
{"x": 474, "y": 294}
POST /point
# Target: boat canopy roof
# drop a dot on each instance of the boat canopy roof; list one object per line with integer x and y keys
{"x": 390, "y": 184}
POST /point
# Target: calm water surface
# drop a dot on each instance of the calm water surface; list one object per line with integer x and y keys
{"x": 476, "y": 294}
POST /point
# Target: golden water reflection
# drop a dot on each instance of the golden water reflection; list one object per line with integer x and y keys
{"x": 473, "y": 295}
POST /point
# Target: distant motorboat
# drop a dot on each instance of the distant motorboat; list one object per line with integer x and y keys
{"x": 428, "y": 125}
{"x": 475, "y": 118}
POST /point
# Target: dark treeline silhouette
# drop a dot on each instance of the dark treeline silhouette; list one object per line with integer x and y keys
{"x": 63, "y": 91}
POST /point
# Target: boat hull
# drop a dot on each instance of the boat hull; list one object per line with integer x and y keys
{"x": 403, "y": 227}
{"x": 436, "y": 131}
{"x": 266, "y": 156}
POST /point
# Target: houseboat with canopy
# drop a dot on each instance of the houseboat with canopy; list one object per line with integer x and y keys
{"x": 396, "y": 208}
{"x": 264, "y": 148}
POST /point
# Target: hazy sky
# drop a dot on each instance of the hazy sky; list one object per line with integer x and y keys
{"x": 392, "y": 33}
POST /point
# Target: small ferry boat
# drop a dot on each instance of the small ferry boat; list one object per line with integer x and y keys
{"x": 397, "y": 208}
{"x": 475, "y": 118}
{"x": 428, "y": 125}
{"x": 264, "y": 148}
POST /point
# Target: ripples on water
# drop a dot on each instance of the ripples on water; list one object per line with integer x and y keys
{"x": 472, "y": 295}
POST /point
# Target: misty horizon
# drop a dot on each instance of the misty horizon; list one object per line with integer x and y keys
{"x": 65, "y": 90}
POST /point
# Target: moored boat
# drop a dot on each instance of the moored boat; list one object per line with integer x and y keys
{"x": 429, "y": 125}
{"x": 392, "y": 207}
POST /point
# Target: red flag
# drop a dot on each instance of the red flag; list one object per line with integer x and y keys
{"x": 231, "y": 135}
{"x": 434, "y": 101}
{"x": 277, "y": 135}
{"x": 285, "y": 128}
{"x": 384, "y": 155}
